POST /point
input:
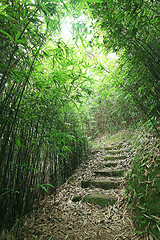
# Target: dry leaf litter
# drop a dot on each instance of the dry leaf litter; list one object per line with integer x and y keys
{"x": 59, "y": 218}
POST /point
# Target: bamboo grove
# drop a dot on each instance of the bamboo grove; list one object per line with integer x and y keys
{"x": 45, "y": 88}
{"x": 132, "y": 29}
{"x": 42, "y": 141}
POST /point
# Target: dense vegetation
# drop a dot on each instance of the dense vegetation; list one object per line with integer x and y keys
{"x": 54, "y": 95}
{"x": 42, "y": 140}
{"x": 131, "y": 27}
{"x": 142, "y": 184}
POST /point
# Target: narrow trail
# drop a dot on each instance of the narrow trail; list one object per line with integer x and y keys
{"x": 90, "y": 205}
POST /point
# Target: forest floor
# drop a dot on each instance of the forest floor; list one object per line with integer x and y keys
{"x": 60, "y": 218}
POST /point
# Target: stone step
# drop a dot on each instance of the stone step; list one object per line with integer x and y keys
{"x": 109, "y": 148}
{"x": 115, "y": 152}
{"x": 121, "y": 157}
{"x": 77, "y": 198}
{"x": 110, "y": 173}
{"x": 114, "y": 146}
{"x": 110, "y": 163}
{"x": 104, "y": 184}
{"x": 99, "y": 199}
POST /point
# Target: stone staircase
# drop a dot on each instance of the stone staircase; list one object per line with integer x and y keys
{"x": 108, "y": 176}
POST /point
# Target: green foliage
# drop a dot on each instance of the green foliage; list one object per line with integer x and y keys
{"x": 8, "y": 190}
{"x": 49, "y": 91}
{"x": 43, "y": 186}
{"x": 143, "y": 185}
{"x": 130, "y": 28}
{"x": 42, "y": 83}
{"x": 47, "y": 142}
{"x": 108, "y": 109}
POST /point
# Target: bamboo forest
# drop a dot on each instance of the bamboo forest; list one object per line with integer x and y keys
{"x": 80, "y": 119}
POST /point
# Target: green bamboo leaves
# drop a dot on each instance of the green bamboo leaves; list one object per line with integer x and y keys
{"x": 7, "y": 34}
{"x": 3, "y": 12}
{"x": 8, "y": 190}
{"x": 43, "y": 186}
{"x": 41, "y": 137}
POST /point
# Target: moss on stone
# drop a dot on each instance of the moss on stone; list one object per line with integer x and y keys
{"x": 77, "y": 198}
{"x": 100, "y": 199}
{"x": 121, "y": 157}
{"x": 114, "y": 147}
{"x": 114, "y": 152}
{"x": 110, "y": 173}
{"x": 110, "y": 163}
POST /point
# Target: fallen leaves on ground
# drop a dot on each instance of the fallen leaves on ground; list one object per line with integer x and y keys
{"x": 58, "y": 218}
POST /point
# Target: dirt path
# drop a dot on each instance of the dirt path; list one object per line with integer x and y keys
{"x": 73, "y": 214}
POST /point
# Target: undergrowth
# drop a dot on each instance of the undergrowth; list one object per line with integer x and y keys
{"x": 143, "y": 185}
{"x": 108, "y": 139}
